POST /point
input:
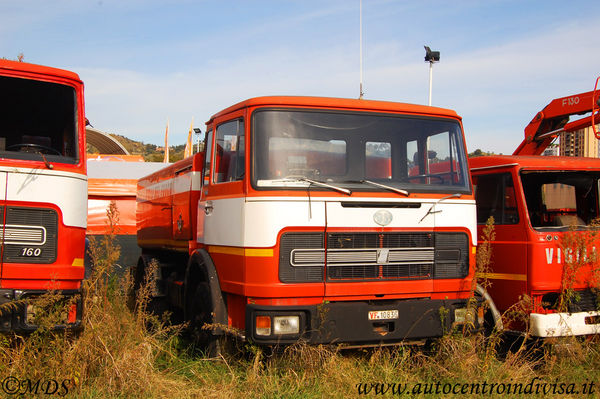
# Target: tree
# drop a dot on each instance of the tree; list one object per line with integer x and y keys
{"x": 479, "y": 153}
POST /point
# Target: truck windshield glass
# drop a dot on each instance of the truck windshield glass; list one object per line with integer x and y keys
{"x": 561, "y": 200}
{"x": 404, "y": 152}
{"x": 38, "y": 121}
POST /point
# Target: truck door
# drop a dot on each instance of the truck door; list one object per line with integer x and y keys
{"x": 221, "y": 206}
{"x": 206, "y": 173}
{"x": 497, "y": 197}
{"x": 222, "y": 199}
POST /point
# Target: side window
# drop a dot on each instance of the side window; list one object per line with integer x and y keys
{"x": 457, "y": 173}
{"x": 495, "y": 196}
{"x": 229, "y": 159}
{"x": 207, "y": 155}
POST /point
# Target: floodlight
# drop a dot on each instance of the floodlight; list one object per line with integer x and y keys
{"x": 431, "y": 56}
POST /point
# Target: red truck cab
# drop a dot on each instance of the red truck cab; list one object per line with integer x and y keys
{"x": 43, "y": 189}
{"x": 316, "y": 219}
{"x": 540, "y": 206}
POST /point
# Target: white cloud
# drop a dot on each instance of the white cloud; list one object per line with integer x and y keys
{"x": 496, "y": 89}
{"x": 138, "y": 104}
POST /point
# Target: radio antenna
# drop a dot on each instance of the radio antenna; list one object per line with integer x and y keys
{"x": 361, "y": 93}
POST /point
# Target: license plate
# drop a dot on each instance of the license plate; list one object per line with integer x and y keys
{"x": 383, "y": 314}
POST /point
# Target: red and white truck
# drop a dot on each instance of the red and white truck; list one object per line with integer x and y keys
{"x": 315, "y": 219}
{"x": 541, "y": 205}
{"x": 43, "y": 189}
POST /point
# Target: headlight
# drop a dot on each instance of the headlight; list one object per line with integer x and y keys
{"x": 286, "y": 324}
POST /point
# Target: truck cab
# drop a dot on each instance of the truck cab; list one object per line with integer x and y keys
{"x": 43, "y": 189}
{"x": 316, "y": 219}
{"x": 545, "y": 212}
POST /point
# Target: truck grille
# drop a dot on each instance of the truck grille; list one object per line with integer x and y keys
{"x": 373, "y": 256}
{"x": 29, "y": 235}
{"x": 584, "y": 301}
{"x": 311, "y": 270}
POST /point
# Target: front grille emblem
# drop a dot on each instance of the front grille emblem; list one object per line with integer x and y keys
{"x": 383, "y": 256}
{"x": 382, "y": 217}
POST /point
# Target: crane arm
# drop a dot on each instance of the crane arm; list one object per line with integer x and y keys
{"x": 554, "y": 119}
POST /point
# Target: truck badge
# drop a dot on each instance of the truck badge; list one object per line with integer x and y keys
{"x": 382, "y": 217}
{"x": 383, "y": 256}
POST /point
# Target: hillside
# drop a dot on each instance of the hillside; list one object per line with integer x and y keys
{"x": 150, "y": 152}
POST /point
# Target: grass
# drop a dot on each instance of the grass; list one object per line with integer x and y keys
{"x": 122, "y": 353}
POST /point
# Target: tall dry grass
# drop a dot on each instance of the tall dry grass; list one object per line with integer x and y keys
{"x": 122, "y": 353}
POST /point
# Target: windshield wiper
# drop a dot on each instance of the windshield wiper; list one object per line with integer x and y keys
{"x": 295, "y": 179}
{"x": 430, "y": 211}
{"x": 394, "y": 189}
{"x": 48, "y": 164}
{"x": 322, "y": 184}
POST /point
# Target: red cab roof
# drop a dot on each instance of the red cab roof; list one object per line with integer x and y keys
{"x": 534, "y": 162}
{"x": 339, "y": 103}
{"x": 8, "y": 67}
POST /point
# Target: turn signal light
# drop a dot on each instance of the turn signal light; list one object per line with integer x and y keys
{"x": 263, "y": 325}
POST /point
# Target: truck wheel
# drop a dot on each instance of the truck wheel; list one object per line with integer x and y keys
{"x": 199, "y": 312}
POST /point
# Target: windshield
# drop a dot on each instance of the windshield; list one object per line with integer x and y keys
{"x": 38, "y": 120}
{"x": 347, "y": 149}
{"x": 560, "y": 200}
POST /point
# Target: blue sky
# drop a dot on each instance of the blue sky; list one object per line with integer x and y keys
{"x": 148, "y": 61}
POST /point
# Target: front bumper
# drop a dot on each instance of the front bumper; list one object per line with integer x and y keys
{"x": 348, "y": 322}
{"x": 564, "y": 324}
{"x": 17, "y": 307}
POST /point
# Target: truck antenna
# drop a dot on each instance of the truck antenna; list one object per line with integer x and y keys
{"x": 361, "y": 93}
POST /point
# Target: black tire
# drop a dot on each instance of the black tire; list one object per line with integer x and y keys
{"x": 199, "y": 312}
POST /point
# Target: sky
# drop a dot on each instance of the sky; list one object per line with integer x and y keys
{"x": 148, "y": 62}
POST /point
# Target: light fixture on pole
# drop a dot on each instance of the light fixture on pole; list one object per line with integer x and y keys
{"x": 431, "y": 57}
{"x": 198, "y": 133}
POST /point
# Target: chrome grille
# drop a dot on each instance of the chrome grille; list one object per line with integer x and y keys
{"x": 30, "y": 235}
{"x": 373, "y": 256}
{"x": 379, "y": 256}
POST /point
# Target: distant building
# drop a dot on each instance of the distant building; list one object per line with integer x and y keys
{"x": 581, "y": 143}
{"x": 103, "y": 142}
{"x": 553, "y": 150}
